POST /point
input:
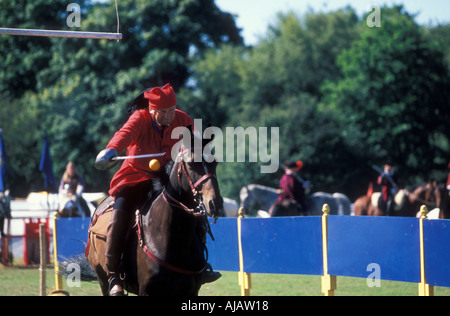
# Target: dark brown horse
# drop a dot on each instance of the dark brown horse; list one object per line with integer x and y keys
{"x": 165, "y": 253}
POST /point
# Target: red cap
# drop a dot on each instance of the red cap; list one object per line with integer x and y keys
{"x": 161, "y": 98}
{"x": 299, "y": 165}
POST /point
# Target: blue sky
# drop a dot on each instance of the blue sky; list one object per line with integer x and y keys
{"x": 253, "y": 16}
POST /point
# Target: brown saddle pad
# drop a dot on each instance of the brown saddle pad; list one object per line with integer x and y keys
{"x": 100, "y": 219}
{"x": 102, "y": 216}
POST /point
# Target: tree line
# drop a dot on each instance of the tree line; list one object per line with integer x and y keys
{"x": 344, "y": 95}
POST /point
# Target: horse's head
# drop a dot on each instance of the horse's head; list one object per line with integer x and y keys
{"x": 195, "y": 169}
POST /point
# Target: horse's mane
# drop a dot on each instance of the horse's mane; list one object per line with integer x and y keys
{"x": 168, "y": 168}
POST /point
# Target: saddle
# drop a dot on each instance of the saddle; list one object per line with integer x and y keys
{"x": 98, "y": 227}
{"x": 101, "y": 217}
{"x": 99, "y": 222}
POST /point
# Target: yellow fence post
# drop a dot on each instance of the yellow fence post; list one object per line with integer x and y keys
{"x": 58, "y": 277}
{"x": 424, "y": 288}
{"x": 328, "y": 281}
{"x": 244, "y": 278}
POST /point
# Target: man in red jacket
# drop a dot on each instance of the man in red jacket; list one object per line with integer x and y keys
{"x": 147, "y": 131}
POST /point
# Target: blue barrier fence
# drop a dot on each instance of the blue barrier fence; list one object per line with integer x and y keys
{"x": 437, "y": 252}
{"x": 293, "y": 245}
{"x": 71, "y": 236}
{"x": 390, "y": 242}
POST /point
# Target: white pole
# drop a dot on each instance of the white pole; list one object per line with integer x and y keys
{"x": 55, "y": 33}
{"x": 138, "y": 156}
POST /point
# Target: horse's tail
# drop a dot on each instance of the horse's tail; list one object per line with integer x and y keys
{"x": 77, "y": 264}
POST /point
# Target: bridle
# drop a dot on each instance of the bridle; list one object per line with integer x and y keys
{"x": 199, "y": 209}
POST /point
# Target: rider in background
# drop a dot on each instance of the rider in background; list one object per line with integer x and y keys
{"x": 71, "y": 180}
{"x": 71, "y": 188}
{"x": 147, "y": 131}
{"x": 291, "y": 186}
{"x": 387, "y": 180}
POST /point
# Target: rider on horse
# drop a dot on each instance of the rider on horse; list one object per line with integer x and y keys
{"x": 387, "y": 180}
{"x": 292, "y": 189}
{"x": 147, "y": 131}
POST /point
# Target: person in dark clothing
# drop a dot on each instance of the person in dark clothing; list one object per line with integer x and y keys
{"x": 292, "y": 188}
{"x": 389, "y": 188}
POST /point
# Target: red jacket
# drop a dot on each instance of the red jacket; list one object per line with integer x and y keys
{"x": 292, "y": 189}
{"x": 141, "y": 135}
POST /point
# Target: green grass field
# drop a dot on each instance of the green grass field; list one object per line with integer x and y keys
{"x": 23, "y": 281}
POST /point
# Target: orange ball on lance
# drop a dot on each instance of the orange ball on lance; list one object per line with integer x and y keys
{"x": 154, "y": 165}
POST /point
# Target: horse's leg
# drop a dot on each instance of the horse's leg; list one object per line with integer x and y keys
{"x": 102, "y": 277}
{"x": 102, "y": 280}
{"x": 375, "y": 211}
{"x": 146, "y": 271}
{"x": 362, "y": 206}
{"x": 96, "y": 258}
{"x": 358, "y": 210}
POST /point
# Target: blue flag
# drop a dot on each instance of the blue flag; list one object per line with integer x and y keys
{"x": 46, "y": 166}
{"x": 3, "y": 168}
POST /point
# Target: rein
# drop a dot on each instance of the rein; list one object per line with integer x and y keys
{"x": 170, "y": 200}
{"x": 193, "y": 186}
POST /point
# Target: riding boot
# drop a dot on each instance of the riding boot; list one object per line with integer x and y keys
{"x": 117, "y": 230}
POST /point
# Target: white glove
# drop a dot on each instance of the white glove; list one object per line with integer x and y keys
{"x": 104, "y": 159}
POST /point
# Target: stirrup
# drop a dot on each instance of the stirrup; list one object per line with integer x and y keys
{"x": 113, "y": 281}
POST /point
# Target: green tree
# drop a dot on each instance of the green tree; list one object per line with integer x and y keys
{"x": 79, "y": 91}
{"x": 276, "y": 84}
{"x": 24, "y": 57}
{"x": 296, "y": 55}
{"x": 393, "y": 100}
{"x": 216, "y": 95}
{"x": 440, "y": 37}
